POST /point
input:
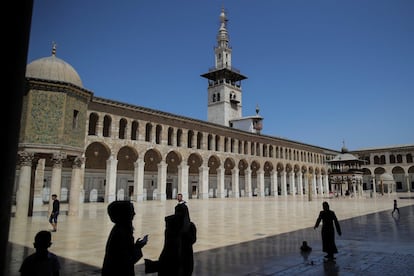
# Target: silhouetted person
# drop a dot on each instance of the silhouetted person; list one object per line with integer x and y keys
{"x": 395, "y": 208}
{"x": 176, "y": 258}
{"x": 55, "y": 213}
{"x": 42, "y": 262}
{"x": 328, "y": 219}
{"x": 121, "y": 252}
{"x": 188, "y": 233}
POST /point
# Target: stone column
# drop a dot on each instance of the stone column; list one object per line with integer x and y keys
{"x": 292, "y": 183}
{"x": 220, "y": 182}
{"x": 320, "y": 184}
{"x": 260, "y": 182}
{"x": 110, "y": 188}
{"x": 314, "y": 184}
{"x": 76, "y": 186}
{"x": 300, "y": 184}
{"x": 407, "y": 177}
{"x": 374, "y": 188}
{"x": 56, "y": 185}
{"x": 235, "y": 181}
{"x": 183, "y": 179}
{"x": 326, "y": 185}
{"x": 23, "y": 189}
{"x": 203, "y": 182}
{"x": 139, "y": 180}
{"x": 248, "y": 182}
{"x": 273, "y": 183}
{"x": 283, "y": 184}
{"x": 162, "y": 180}
{"x": 39, "y": 182}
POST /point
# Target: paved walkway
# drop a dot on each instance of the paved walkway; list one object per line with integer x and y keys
{"x": 243, "y": 237}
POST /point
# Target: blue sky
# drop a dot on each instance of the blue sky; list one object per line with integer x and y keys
{"x": 321, "y": 71}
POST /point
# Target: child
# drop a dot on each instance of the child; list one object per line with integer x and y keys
{"x": 42, "y": 262}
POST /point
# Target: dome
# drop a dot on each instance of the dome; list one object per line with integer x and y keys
{"x": 386, "y": 177}
{"x": 53, "y": 69}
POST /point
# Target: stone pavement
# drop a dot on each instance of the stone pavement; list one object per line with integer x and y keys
{"x": 374, "y": 243}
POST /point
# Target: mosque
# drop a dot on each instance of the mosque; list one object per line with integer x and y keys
{"x": 90, "y": 149}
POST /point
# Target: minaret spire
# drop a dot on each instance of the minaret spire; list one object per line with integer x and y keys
{"x": 53, "y": 48}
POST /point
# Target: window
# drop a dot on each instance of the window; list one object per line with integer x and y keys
{"x": 75, "y": 119}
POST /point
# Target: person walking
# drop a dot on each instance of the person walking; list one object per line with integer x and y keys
{"x": 53, "y": 218}
{"x": 329, "y": 220}
{"x": 395, "y": 208}
{"x": 42, "y": 262}
{"x": 121, "y": 252}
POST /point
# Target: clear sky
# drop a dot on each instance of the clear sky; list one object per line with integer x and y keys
{"x": 321, "y": 71}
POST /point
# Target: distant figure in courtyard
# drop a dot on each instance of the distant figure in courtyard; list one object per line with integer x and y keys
{"x": 55, "y": 213}
{"x": 328, "y": 219}
{"x": 395, "y": 208}
{"x": 42, "y": 262}
{"x": 121, "y": 251}
{"x": 176, "y": 258}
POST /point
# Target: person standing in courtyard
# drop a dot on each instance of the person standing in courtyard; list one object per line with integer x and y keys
{"x": 42, "y": 262}
{"x": 121, "y": 252}
{"x": 395, "y": 208}
{"x": 55, "y": 213}
{"x": 329, "y": 224}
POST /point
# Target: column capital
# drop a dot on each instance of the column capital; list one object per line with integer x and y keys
{"x": 78, "y": 162}
{"x": 25, "y": 158}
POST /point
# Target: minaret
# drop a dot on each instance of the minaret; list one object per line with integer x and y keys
{"x": 224, "y": 81}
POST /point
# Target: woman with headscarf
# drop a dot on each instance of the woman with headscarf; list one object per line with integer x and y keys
{"x": 328, "y": 219}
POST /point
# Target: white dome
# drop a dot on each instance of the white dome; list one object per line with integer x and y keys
{"x": 53, "y": 69}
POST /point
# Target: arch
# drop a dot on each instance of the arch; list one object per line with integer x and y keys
{"x": 152, "y": 158}
{"x": 213, "y": 163}
{"x": 126, "y": 157}
{"x": 173, "y": 160}
{"x": 268, "y": 168}
{"x": 243, "y": 165}
{"x": 194, "y": 162}
{"x": 93, "y": 123}
{"x": 96, "y": 155}
{"x": 379, "y": 170}
{"x": 229, "y": 165}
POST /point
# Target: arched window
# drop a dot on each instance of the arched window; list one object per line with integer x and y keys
{"x": 179, "y": 136}
{"x": 392, "y": 159}
{"x": 93, "y": 122}
{"x": 106, "y": 132}
{"x": 199, "y": 140}
{"x": 170, "y": 136}
{"x": 158, "y": 133}
{"x": 399, "y": 158}
{"x": 134, "y": 130}
{"x": 217, "y": 143}
{"x": 190, "y": 136}
{"x": 409, "y": 158}
{"x": 226, "y": 144}
{"x": 209, "y": 141}
{"x": 122, "y": 128}
{"x": 148, "y": 132}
